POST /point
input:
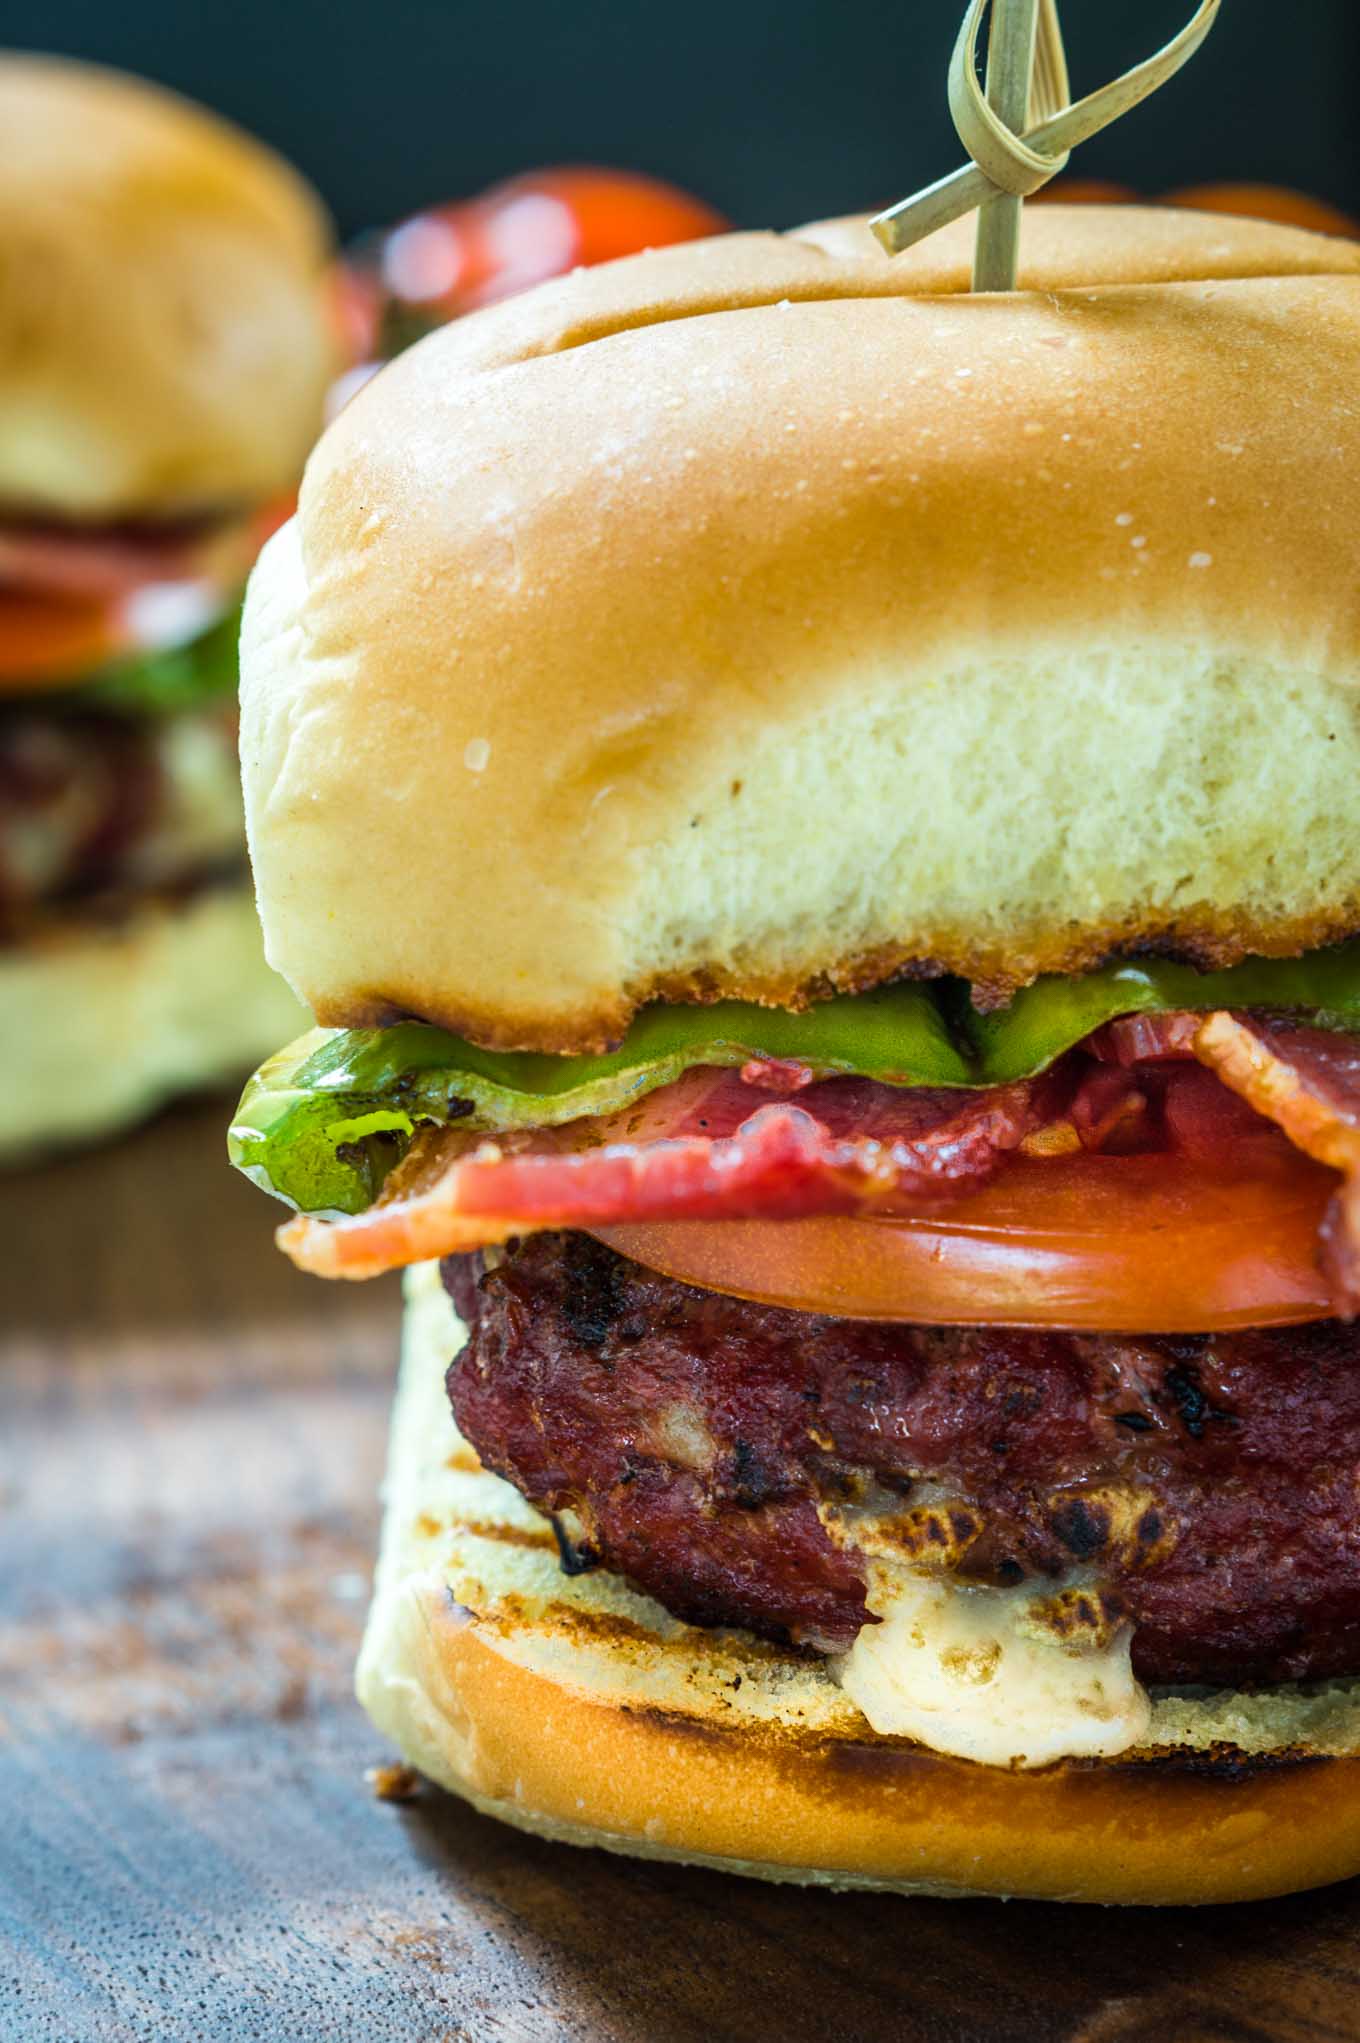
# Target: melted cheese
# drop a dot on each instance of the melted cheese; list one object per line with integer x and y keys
{"x": 995, "y": 1675}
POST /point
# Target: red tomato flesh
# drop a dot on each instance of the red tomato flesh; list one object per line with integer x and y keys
{"x": 451, "y": 259}
{"x": 45, "y": 641}
{"x": 1158, "y": 1243}
{"x": 1266, "y": 202}
{"x": 68, "y": 598}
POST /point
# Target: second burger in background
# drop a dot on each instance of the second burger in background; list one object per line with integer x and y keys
{"x": 166, "y": 340}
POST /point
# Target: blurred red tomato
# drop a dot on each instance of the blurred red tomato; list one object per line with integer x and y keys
{"x": 454, "y": 258}
{"x": 1266, "y": 202}
{"x": 1087, "y": 191}
{"x": 356, "y": 309}
{"x": 1254, "y": 201}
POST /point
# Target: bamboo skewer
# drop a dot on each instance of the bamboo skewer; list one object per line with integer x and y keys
{"x": 1050, "y": 91}
{"x": 1016, "y": 157}
{"x": 1010, "y": 66}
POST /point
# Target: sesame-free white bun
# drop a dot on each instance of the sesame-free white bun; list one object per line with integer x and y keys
{"x": 101, "y": 1023}
{"x": 760, "y": 615}
{"x": 165, "y": 337}
{"x": 575, "y": 1707}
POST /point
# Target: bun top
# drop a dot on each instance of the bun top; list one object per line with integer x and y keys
{"x": 165, "y": 343}
{"x": 761, "y": 615}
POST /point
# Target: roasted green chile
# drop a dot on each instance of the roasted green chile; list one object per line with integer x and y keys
{"x": 364, "y": 1090}
{"x": 1053, "y": 1014}
{"x": 322, "y": 1122}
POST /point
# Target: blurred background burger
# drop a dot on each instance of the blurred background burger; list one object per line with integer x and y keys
{"x": 166, "y": 340}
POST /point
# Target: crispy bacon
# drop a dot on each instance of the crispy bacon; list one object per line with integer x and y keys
{"x": 103, "y": 563}
{"x": 777, "y": 1074}
{"x": 704, "y": 1147}
{"x": 98, "y": 565}
{"x": 72, "y": 600}
{"x": 724, "y": 1145}
{"x": 1308, "y": 1082}
{"x": 1145, "y": 1038}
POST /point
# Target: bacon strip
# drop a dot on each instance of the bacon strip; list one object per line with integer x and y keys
{"x": 72, "y": 600}
{"x": 103, "y": 563}
{"x": 95, "y": 566}
{"x": 723, "y": 1145}
{"x": 705, "y": 1147}
{"x": 1308, "y": 1082}
{"x": 1145, "y": 1038}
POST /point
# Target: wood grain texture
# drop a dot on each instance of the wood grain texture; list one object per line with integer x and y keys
{"x": 190, "y": 1442}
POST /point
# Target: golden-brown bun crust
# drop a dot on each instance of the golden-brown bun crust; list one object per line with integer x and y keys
{"x": 165, "y": 341}
{"x": 573, "y": 1707}
{"x": 744, "y": 619}
{"x": 848, "y": 1812}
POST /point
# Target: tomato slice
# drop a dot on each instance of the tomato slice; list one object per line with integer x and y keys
{"x": 1108, "y": 1244}
{"x": 453, "y": 258}
{"x": 70, "y": 600}
{"x": 1086, "y": 191}
{"x": 44, "y": 640}
{"x": 1267, "y": 202}
{"x": 610, "y": 212}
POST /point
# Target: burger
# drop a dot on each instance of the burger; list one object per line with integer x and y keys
{"x": 819, "y": 817}
{"x": 165, "y": 345}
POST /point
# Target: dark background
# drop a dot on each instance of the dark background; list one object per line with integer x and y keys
{"x": 776, "y": 110}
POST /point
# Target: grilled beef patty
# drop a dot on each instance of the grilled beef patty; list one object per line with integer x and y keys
{"x": 1211, "y": 1482}
{"x": 94, "y": 806}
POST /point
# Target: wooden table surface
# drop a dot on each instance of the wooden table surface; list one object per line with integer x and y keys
{"x": 190, "y": 1441}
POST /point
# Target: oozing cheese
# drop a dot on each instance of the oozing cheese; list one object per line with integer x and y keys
{"x": 1007, "y": 1677}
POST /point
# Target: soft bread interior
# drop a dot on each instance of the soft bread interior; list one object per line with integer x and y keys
{"x": 576, "y": 1707}
{"x": 968, "y": 808}
{"x": 1108, "y": 788}
{"x": 99, "y": 1024}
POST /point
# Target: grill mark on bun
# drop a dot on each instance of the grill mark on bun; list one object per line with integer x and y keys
{"x": 1224, "y": 1763}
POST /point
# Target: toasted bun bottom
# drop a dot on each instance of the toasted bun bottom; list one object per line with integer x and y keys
{"x": 100, "y": 1025}
{"x": 578, "y": 1709}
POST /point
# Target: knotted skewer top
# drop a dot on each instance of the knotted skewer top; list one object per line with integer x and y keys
{"x": 1020, "y": 132}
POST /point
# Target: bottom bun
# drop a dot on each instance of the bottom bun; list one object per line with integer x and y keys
{"x": 574, "y": 1707}
{"x": 101, "y": 1023}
